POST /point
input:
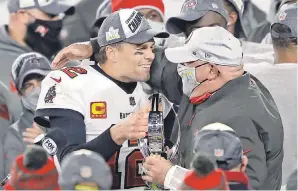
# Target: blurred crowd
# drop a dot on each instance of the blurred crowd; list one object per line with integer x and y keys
{"x": 73, "y": 77}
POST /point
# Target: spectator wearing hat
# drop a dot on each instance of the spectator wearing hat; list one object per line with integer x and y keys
{"x": 221, "y": 143}
{"x": 282, "y": 4}
{"x": 215, "y": 143}
{"x": 239, "y": 103}
{"x": 281, "y": 79}
{"x": 28, "y": 71}
{"x": 33, "y": 26}
{"x": 85, "y": 170}
{"x": 204, "y": 175}
{"x": 33, "y": 170}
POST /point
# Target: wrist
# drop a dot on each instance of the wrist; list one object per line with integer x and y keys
{"x": 117, "y": 134}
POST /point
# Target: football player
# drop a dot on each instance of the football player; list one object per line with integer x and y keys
{"x": 87, "y": 102}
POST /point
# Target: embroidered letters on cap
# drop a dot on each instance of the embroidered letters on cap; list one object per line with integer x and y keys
{"x": 131, "y": 22}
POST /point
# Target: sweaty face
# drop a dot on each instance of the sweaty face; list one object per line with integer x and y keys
{"x": 151, "y": 14}
{"x": 208, "y": 20}
{"x": 135, "y": 61}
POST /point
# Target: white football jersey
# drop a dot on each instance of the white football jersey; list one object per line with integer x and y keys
{"x": 102, "y": 103}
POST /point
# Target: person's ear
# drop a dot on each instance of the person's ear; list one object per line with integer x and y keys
{"x": 233, "y": 16}
{"x": 244, "y": 163}
{"x": 111, "y": 53}
{"x": 213, "y": 72}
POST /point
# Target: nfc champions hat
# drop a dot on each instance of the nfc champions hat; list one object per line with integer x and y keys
{"x": 287, "y": 16}
{"x": 193, "y": 10}
{"x": 220, "y": 142}
{"x": 85, "y": 166}
{"x": 29, "y": 63}
{"x": 211, "y": 44}
{"x": 127, "y": 25}
{"x": 53, "y": 7}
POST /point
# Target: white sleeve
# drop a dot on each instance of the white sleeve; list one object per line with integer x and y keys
{"x": 59, "y": 94}
{"x": 175, "y": 177}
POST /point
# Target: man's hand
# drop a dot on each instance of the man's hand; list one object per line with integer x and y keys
{"x": 156, "y": 169}
{"x": 31, "y": 133}
{"x": 77, "y": 51}
{"x": 135, "y": 126}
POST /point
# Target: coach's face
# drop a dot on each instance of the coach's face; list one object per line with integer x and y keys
{"x": 136, "y": 61}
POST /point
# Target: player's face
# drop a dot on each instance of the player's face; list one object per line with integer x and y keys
{"x": 210, "y": 19}
{"x": 136, "y": 61}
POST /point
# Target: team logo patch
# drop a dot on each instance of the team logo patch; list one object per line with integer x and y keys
{"x": 51, "y": 94}
{"x": 207, "y": 55}
{"x": 112, "y": 34}
{"x": 42, "y": 30}
{"x": 282, "y": 16}
{"x": 132, "y": 101}
{"x": 219, "y": 152}
{"x": 215, "y": 6}
{"x": 98, "y": 110}
{"x": 189, "y": 5}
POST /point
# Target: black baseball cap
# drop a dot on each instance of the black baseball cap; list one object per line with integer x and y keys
{"x": 193, "y": 10}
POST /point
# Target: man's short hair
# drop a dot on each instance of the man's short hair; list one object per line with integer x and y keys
{"x": 101, "y": 56}
{"x": 282, "y": 42}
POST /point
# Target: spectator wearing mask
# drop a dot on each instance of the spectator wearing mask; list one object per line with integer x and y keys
{"x": 85, "y": 170}
{"x": 28, "y": 71}
{"x": 34, "y": 25}
{"x": 238, "y": 103}
{"x": 281, "y": 79}
{"x": 33, "y": 170}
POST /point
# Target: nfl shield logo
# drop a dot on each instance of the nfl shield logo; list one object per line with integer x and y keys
{"x": 218, "y": 152}
{"x": 132, "y": 101}
{"x": 42, "y": 30}
{"x": 282, "y": 16}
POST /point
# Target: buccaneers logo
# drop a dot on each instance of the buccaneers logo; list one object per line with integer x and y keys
{"x": 51, "y": 94}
